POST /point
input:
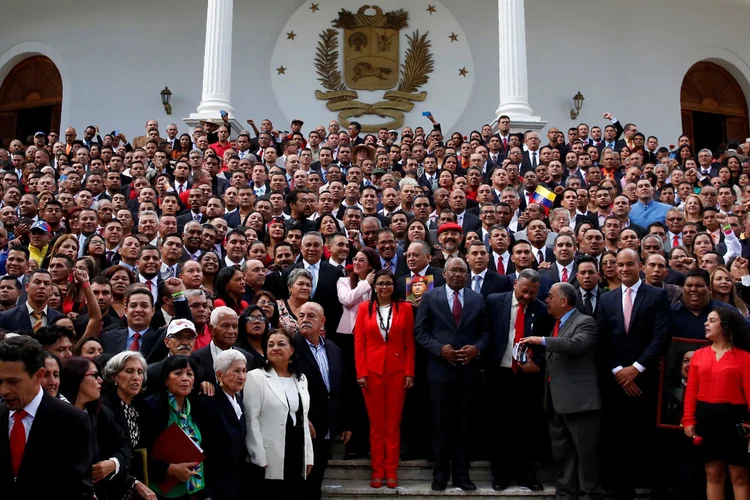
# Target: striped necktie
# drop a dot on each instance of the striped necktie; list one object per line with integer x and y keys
{"x": 38, "y": 315}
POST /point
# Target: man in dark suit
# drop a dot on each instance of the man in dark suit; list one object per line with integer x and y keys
{"x": 516, "y": 315}
{"x": 634, "y": 324}
{"x": 325, "y": 276}
{"x": 323, "y": 365}
{"x": 223, "y": 328}
{"x": 572, "y": 395}
{"x": 588, "y": 289}
{"x": 563, "y": 269}
{"x": 451, "y": 326}
{"x": 138, "y": 335}
{"x": 481, "y": 279}
{"x": 195, "y": 201}
{"x": 103, "y": 292}
{"x": 34, "y": 313}
{"x": 417, "y": 259}
{"x": 468, "y": 221}
{"x": 45, "y": 444}
{"x": 180, "y": 340}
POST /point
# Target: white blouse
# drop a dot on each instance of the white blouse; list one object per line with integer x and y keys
{"x": 292, "y": 396}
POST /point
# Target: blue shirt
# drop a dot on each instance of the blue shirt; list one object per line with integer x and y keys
{"x": 394, "y": 263}
{"x": 562, "y": 322}
{"x": 131, "y": 337}
{"x": 643, "y": 215}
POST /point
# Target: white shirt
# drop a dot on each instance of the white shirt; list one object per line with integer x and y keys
{"x": 670, "y": 238}
{"x": 229, "y": 262}
{"x": 569, "y": 267}
{"x": 481, "y": 281}
{"x": 235, "y": 405}
{"x": 384, "y": 311}
{"x": 505, "y": 257}
{"x": 31, "y": 410}
{"x": 215, "y": 351}
{"x": 421, "y": 272}
{"x": 507, "y": 360}
{"x": 154, "y": 285}
{"x": 31, "y": 316}
{"x": 633, "y": 295}
{"x": 292, "y": 396}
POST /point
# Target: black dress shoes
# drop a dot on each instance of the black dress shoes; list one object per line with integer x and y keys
{"x": 465, "y": 485}
{"x": 533, "y": 485}
{"x": 438, "y": 485}
{"x": 500, "y": 485}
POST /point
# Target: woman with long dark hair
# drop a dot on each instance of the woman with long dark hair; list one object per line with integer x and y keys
{"x": 716, "y": 402}
{"x": 183, "y": 147}
{"x": 230, "y": 285}
{"x": 384, "y": 353}
{"x": 81, "y": 384}
{"x": 252, "y": 325}
{"x": 209, "y": 262}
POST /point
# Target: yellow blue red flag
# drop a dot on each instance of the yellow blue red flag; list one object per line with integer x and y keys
{"x": 544, "y": 197}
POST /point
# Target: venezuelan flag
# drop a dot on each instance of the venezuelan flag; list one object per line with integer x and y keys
{"x": 544, "y": 197}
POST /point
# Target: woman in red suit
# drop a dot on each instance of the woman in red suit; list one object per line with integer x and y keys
{"x": 384, "y": 355}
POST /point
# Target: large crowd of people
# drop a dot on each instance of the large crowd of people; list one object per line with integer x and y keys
{"x": 203, "y": 315}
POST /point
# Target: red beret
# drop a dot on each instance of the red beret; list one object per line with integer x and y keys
{"x": 450, "y": 226}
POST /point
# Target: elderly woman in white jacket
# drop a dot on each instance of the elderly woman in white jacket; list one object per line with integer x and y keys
{"x": 278, "y": 432}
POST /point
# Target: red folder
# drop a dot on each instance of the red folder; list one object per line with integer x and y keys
{"x": 174, "y": 446}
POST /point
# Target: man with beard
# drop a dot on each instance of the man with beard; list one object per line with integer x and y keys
{"x": 191, "y": 274}
{"x": 450, "y": 236}
{"x": 300, "y": 206}
{"x": 59, "y": 270}
{"x": 10, "y": 290}
{"x": 103, "y": 292}
{"x": 390, "y": 202}
{"x": 191, "y": 239}
{"x": 34, "y": 313}
{"x": 148, "y": 266}
{"x": 223, "y": 327}
{"x": 322, "y": 363}
{"x": 283, "y": 258}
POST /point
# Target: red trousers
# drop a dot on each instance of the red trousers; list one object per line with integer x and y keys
{"x": 384, "y": 398}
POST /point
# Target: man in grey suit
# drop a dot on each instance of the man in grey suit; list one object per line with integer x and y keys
{"x": 573, "y": 400}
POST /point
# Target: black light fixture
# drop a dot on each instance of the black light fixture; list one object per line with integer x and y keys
{"x": 578, "y": 103}
{"x": 166, "y": 96}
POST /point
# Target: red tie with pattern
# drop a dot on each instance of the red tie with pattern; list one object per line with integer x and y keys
{"x": 17, "y": 440}
{"x": 134, "y": 345}
{"x": 565, "y": 275}
{"x": 456, "y": 308}
{"x": 675, "y": 241}
{"x": 519, "y": 327}
{"x": 500, "y": 266}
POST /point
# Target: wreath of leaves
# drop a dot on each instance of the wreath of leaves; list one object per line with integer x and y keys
{"x": 418, "y": 64}
{"x": 326, "y": 61}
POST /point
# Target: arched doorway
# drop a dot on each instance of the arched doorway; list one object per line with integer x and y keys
{"x": 30, "y": 99}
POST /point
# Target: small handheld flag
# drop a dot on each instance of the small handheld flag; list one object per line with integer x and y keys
{"x": 544, "y": 197}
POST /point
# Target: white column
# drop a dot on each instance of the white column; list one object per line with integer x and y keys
{"x": 217, "y": 61}
{"x": 514, "y": 88}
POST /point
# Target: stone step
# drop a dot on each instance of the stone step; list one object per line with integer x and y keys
{"x": 421, "y": 490}
{"x": 414, "y": 470}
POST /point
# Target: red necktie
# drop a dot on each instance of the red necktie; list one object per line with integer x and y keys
{"x": 505, "y": 143}
{"x": 565, "y": 274}
{"x": 675, "y": 241}
{"x": 17, "y": 440}
{"x": 134, "y": 345}
{"x": 556, "y": 331}
{"x": 520, "y": 326}
{"x": 133, "y": 192}
{"x": 456, "y": 308}
{"x": 500, "y": 266}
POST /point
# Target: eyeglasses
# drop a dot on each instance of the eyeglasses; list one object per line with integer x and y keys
{"x": 384, "y": 284}
{"x": 94, "y": 375}
{"x": 256, "y": 319}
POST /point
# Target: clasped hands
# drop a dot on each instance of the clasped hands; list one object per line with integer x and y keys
{"x": 461, "y": 356}
{"x": 626, "y": 379}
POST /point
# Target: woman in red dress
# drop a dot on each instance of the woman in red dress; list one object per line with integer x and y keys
{"x": 717, "y": 400}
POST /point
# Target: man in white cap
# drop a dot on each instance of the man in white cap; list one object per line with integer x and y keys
{"x": 180, "y": 341}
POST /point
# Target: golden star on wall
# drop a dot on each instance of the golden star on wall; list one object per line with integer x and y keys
{"x": 282, "y": 70}
{"x": 453, "y": 37}
{"x": 431, "y": 9}
{"x": 291, "y": 35}
{"x": 463, "y": 72}
{"x": 314, "y": 7}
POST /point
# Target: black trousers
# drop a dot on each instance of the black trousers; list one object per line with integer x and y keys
{"x": 516, "y": 403}
{"x": 452, "y": 408}
{"x": 629, "y": 441}
{"x": 359, "y": 444}
{"x": 415, "y": 426}
{"x": 311, "y": 488}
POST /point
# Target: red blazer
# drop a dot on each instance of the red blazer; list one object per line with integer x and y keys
{"x": 372, "y": 353}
